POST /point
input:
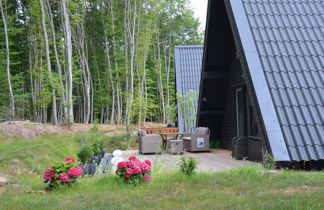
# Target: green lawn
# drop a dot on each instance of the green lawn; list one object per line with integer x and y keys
{"x": 242, "y": 188}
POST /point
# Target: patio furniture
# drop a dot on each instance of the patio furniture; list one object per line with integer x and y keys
{"x": 165, "y": 138}
{"x": 149, "y": 143}
{"x": 239, "y": 147}
{"x": 160, "y": 130}
{"x": 175, "y": 146}
{"x": 247, "y": 147}
{"x": 197, "y": 141}
{"x": 255, "y": 149}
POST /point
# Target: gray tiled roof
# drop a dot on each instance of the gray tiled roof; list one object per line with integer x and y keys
{"x": 289, "y": 37}
{"x": 188, "y": 64}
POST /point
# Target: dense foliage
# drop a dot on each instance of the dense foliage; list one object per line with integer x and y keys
{"x": 68, "y": 61}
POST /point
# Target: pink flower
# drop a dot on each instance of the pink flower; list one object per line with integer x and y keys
{"x": 144, "y": 167}
{"x": 132, "y": 158}
{"x": 69, "y": 159}
{"x": 137, "y": 170}
{"x": 148, "y": 163}
{"x": 133, "y": 164}
{"x": 48, "y": 175}
{"x": 147, "y": 177}
{"x": 122, "y": 164}
{"x": 75, "y": 172}
{"x": 129, "y": 172}
{"x": 64, "y": 178}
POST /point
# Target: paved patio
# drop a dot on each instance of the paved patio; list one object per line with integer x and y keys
{"x": 215, "y": 160}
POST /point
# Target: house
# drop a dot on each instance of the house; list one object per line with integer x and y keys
{"x": 263, "y": 76}
{"x": 188, "y": 62}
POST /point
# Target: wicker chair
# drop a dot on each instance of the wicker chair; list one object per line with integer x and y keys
{"x": 149, "y": 143}
{"x": 197, "y": 141}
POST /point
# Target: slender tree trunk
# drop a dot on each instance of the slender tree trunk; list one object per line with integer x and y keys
{"x": 57, "y": 60}
{"x": 11, "y": 96}
{"x": 48, "y": 63}
{"x": 68, "y": 48}
{"x": 160, "y": 82}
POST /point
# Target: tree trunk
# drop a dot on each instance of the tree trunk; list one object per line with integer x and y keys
{"x": 48, "y": 63}
{"x": 68, "y": 48}
{"x": 11, "y": 96}
{"x": 57, "y": 60}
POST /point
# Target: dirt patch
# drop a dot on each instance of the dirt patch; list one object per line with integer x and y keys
{"x": 33, "y": 130}
{"x": 115, "y": 133}
{"x": 299, "y": 189}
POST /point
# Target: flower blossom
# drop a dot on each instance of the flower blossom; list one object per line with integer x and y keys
{"x": 144, "y": 167}
{"x": 122, "y": 164}
{"x": 64, "y": 178}
{"x": 147, "y": 177}
{"x": 132, "y": 158}
{"x": 69, "y": 159}
{"x": 148, "y": 163}
{"x": 129, "y": 172}
{"x": 75, "y": 172}
{"x": 48, "y": 175}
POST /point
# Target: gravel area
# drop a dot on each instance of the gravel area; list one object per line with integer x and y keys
{"x": 215, "y": 160}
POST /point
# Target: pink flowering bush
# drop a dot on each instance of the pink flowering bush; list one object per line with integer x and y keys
{"x": 134, "y": 171}
{"x": 62, "y": 173}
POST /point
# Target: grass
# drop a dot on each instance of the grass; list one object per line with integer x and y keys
{"x": 242, "y": 188}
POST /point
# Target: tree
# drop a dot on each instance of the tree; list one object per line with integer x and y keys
{"x": 5, "y": 26}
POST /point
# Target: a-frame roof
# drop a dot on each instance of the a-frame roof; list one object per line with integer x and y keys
{"x": 282, "y": 42}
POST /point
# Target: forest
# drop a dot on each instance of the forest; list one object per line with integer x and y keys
{"x": 80, "y": 61}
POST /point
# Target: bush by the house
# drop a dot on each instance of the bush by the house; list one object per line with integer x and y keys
{"x": 188, "y": 165}
{"x": 64, "y": 173}
{"x": 134, "y": 171}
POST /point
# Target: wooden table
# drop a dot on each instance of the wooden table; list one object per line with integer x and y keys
{"x": 165, "y": 137}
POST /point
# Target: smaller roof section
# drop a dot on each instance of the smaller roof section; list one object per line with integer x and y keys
{"x": 188, "y": 64}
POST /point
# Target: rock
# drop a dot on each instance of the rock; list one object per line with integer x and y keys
{"x": 269, "y": 172}
{"x": 102, "y": 153}
{"x": 98, "y": 159}
{"x": 3, "y": 181}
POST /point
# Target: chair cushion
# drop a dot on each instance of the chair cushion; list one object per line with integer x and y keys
{"x": 186, "y": 138}
{"x": 142, "y": 133}
{"x": 202, "y": 130}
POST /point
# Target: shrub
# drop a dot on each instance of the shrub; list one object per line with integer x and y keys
{"x": 188, "y": 165}
{"x": 269, "y": 161}
{"x": 62, "y": 173}
{"x": 96, "y": 145}
{"x": 134, "y": 171}
{"x": 95, "y": 126}
{"x": 85, "y": 154}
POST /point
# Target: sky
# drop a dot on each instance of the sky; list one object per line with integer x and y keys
{"x": 200, "y": 9}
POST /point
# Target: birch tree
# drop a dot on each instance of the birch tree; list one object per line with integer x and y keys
{"x": 5, "y": 27}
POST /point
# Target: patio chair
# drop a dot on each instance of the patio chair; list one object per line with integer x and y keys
{"x": 197, "y": 141}
{"x": 149, "y": 143}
